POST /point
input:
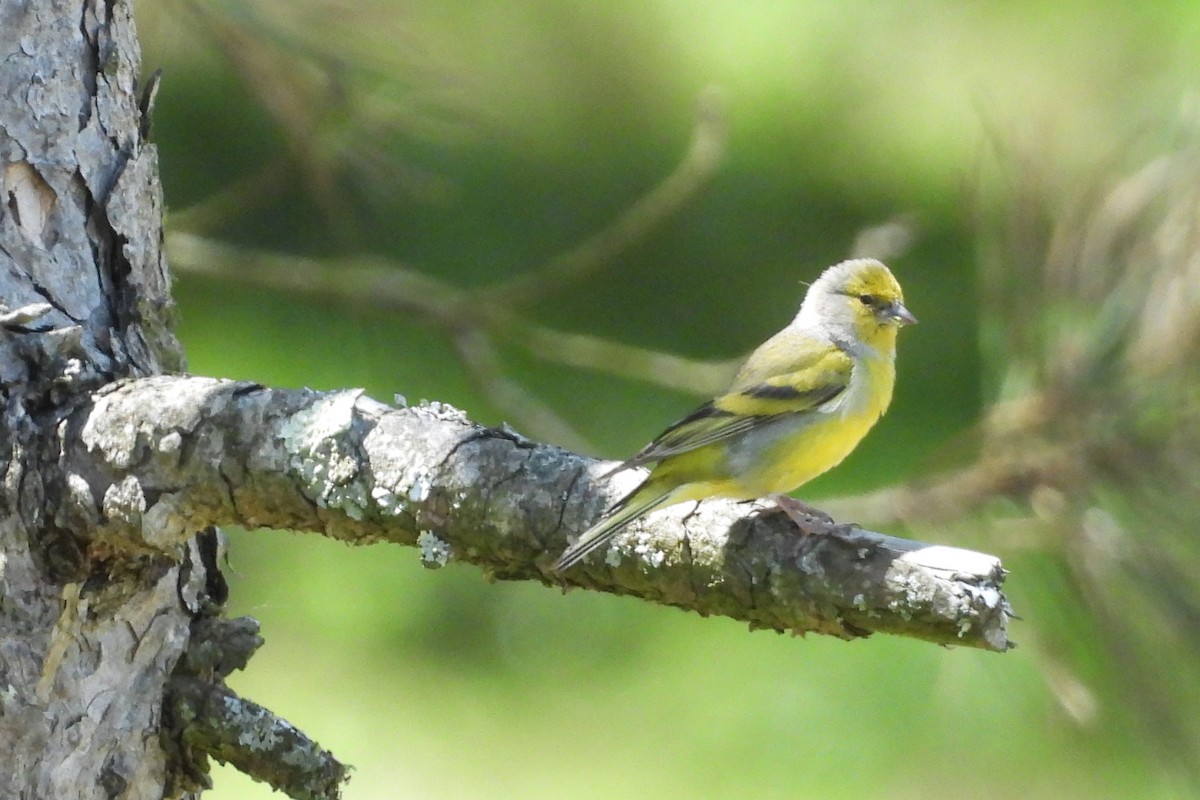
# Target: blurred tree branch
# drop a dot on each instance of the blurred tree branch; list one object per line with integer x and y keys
{"x": 470, "y": 323}
{"x": 476, "y": 319}
{"x": 332, "y": 99}
{"x": 1089, "y": 452}
{"x": 698, "y": 164}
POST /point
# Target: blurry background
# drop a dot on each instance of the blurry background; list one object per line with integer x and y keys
{"x": 357, "y": 187}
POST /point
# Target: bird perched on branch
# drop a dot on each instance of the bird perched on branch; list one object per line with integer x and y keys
{"x": 799, "y": 405}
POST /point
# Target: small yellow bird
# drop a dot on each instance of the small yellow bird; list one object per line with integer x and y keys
{"x": 799, "y": 405}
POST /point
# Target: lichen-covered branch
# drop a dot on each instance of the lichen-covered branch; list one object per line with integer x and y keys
{"x": 167, "y": 456}
{"x": 236, "y": 731}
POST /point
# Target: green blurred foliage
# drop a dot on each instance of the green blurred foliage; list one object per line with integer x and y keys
{"x": 486, "y": 138}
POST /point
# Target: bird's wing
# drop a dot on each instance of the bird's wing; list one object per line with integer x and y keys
{"x": 810, "y": 381}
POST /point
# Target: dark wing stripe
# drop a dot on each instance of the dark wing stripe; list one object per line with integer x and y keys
{"x": 706, "y": 411}
{"x": 667, "y": 444}
{"x": 766, "y": 391}
{"x": 661, "y": 447}
{"x": 770, "y": 391}
{"x": 821, "y": 395}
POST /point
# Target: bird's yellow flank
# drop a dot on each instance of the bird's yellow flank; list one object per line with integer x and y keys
{"x": 799, "y": 405}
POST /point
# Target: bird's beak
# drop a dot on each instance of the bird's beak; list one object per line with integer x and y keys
{"x": 896, "y": 311}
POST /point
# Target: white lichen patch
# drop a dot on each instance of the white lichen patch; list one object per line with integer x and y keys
{"x": 329, "y": 417}
{"x": 351, "y": 499}
{"x": 459, "y": 498}
{"x": 321, "y": 457}
{"x": 116, "y": 442}
{"x": 442, "y": 412}
{"x": 125, "y": 502}
{"x": 949, "y": 559}
{"x": 120, "y": 431}
{"x": 165, "y": 523}
{"x": 435, "y": 553}
{"x": 171, "y": 443}
{"x": 990, "y": 596}
{"x": 811, "y": 564}
{"x": 387, "y": 501}
{"x": 72, "y": 369}
{"x": 649, "y": 552}
{"x": 79, "y": 495}
{"x": 418, "y": 490}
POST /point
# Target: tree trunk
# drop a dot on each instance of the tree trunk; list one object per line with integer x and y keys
{"x": 90, "y": 629}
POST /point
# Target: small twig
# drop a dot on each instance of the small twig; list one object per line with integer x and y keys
{"x": 237, "y": 199}
{"x": 392, "y": 286}
{"x": 479, "y": 357}
{"x": 296, "y": 98}
{"x": 697, "y": 166}
{"x": 701, "y": 378}
{"x": 359, "y": 281}
{"x": 886, "y": 241}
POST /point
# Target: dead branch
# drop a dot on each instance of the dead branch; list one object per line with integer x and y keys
{"x": 168, "y": 456}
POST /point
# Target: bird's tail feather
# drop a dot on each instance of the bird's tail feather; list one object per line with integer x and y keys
{"x": 624, "y": 512}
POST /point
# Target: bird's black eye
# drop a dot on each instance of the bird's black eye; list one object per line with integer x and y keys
{"x": 867, "y": 299}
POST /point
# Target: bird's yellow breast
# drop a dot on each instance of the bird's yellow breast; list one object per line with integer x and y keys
{"x": 800, "y": 449}
{"x": 781, "y": 456}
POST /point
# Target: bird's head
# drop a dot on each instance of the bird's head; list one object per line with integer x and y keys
{"x": 857, "y": 301}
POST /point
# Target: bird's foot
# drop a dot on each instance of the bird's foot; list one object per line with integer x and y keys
{"x": 806, "y": 518}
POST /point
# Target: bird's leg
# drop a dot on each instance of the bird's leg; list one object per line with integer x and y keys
{"x": 807, "y": 518}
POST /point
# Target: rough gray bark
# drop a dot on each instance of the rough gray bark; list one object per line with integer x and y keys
{"x": 340, "y": 463}
{"x": 111, "y": 648}
{"x": 87, "y": 641}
